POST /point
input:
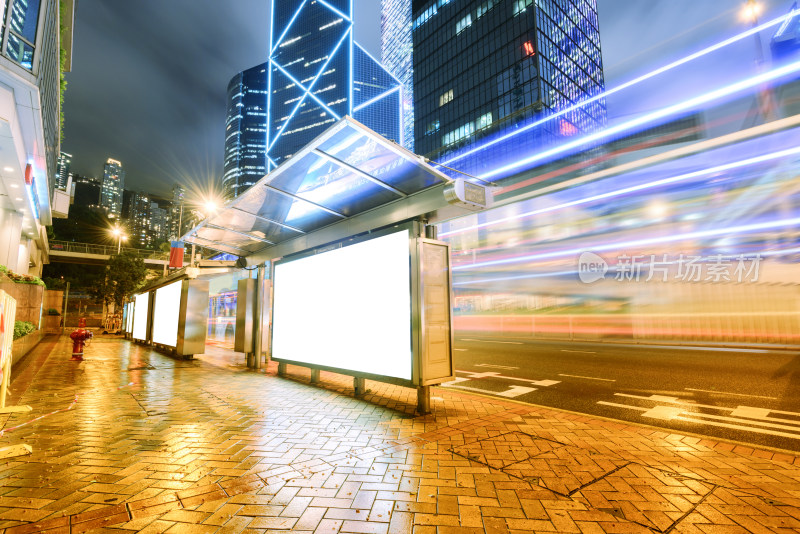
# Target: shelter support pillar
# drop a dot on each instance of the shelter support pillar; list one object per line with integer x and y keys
{"x": 258, "y": 326}
{"x": 424, "y": 400}
{"x": 281, "y": 369}
{"x": 315, "y": 376}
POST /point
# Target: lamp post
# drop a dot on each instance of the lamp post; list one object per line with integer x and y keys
{"x": 120, "y": 236}
{"x": 750, "y": 13}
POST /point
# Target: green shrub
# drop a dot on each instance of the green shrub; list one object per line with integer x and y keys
{"x": 22, "y": 328}
{"x": 21, "y": 278}
{"x": 53, "y": 311}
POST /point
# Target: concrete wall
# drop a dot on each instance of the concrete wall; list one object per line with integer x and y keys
{"x": 29, "y": 299}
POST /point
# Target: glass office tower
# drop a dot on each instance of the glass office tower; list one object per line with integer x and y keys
{"x": 397, "y": 48}
{"x": 483, "y": 68}
{"x": 245, "y": 131}
{"x": 318, "y": 74}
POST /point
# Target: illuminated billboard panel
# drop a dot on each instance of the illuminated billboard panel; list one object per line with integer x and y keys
{"x": 140, "y": 305}
{"x": 347, "y": 309}
{"x": 129, "y": 322}
{"x": 166, "y": 314}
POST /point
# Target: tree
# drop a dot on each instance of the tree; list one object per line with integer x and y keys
{"x": 125, "y": 274}
{"x": 56, "y": 275}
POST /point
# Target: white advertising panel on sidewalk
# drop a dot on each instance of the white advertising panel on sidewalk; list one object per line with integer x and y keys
{"x": 141, "y": 304}
{"x": 166, "y": 314}
{"x": 348, "y": 308}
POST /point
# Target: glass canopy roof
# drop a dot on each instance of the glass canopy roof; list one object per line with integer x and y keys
{"x": 345, "y": 171}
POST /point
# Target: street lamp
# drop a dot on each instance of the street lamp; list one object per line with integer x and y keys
{"x": 750, "y": 12}
{"x": 764, "y": 99}
{"x": 209, "y": 207}
{"x": 120, "y": 236}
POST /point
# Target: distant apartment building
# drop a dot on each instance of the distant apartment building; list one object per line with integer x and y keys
{"x": 113, "y": 186}
{"x": 139, "y": 221}
{"x": 159, "y": 224}
{"x": 32, "y": 33}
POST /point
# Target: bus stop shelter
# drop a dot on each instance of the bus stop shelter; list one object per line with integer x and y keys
{"x": 338, "y": 200}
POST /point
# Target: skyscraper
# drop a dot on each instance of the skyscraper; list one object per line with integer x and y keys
{"x": 113, "y": 185}
{"x": 176, "y": 219}
{"x": 62, "y": 170}
{"x": 246, "y": 131}
{"x": 318, "y": 74}
{"x": 483, "y": 67}
{"x": 139, "y": 222}
{"x": 158, "y": 224}
{"x": 397, "y": 48}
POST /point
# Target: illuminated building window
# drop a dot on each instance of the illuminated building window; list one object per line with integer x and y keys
{"x": 446, "y": 97}
{"x": 528, "y": 47}
{"x": 433, "y": 127}
{"x": 484, "y": 8}
{"x": 521, "y": 5}
{"x": 464, "y": 23}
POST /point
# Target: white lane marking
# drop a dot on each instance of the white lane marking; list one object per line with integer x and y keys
{"x": 478, "y": 375}
{"x": 516, "y": 391}
{"x": 752, "y": 413}
{"x": 757, "y": 417}
{"x": 487, "y": 341}
{"x": 588, "y": 377}
{"x": 494, "y": 366}
{"x": 583, "y": 351}
{"x": 462, "y": 350}
{"x": 740, "y": 427}
{"x": 702, "y": 349}
{"x": 666, "y": 413}
{"x": 728, "y": 393}
{"x": 472, "y": 375}
{"x": 617, "y": 405}
{"x": 759, "y": 423}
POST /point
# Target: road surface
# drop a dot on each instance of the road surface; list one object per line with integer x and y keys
{"x": 748, "y": 395}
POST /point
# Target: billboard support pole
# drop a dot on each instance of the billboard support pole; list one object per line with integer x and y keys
{"x": 359, "y": 385}
{"x": 424, "y": 400}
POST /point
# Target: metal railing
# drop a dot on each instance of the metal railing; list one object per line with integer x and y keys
{"x": 108, "y": 250}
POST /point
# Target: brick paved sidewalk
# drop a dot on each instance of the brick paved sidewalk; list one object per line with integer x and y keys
{"x": 143, "y": 442}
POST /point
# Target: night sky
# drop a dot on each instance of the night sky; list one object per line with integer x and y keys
{"x": 149, "y": 77}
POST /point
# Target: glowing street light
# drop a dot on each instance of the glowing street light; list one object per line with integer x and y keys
{"x": 210, "y": 207}
{"x": 750, "y": 11}
{"x": 120, "y": 236}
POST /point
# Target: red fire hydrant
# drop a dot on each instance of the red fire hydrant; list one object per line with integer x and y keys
{"x": 79, "y": 338}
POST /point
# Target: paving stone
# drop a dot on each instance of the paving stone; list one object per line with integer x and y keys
{"x": 159, "y": 445}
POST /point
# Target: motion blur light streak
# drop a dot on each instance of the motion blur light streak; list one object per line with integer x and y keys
{"x": 641, "y": 187}
{"x": 705, "y": 51}
{"x": 674, "y": 109}
{"x": 622, "y": 246}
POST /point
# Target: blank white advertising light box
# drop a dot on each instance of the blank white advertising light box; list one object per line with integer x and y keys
{"x": 140, "y": 310}
{"x": 348, "y": 308}
{"x": 166, "y": 314}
